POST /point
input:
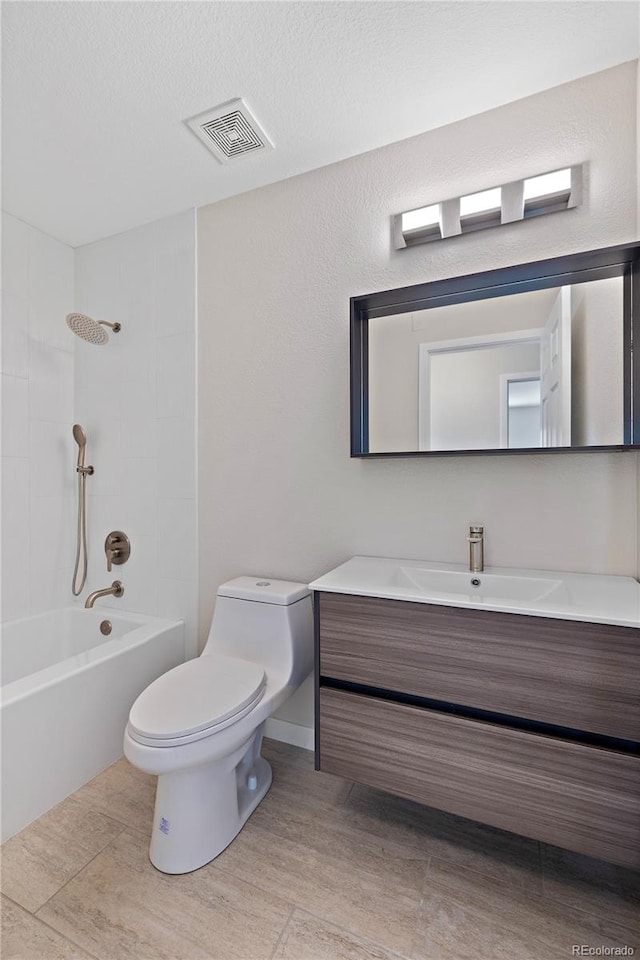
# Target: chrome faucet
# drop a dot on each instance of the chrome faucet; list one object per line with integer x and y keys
{"x": 115, "y": 590}
{"x": 476, "y": 549}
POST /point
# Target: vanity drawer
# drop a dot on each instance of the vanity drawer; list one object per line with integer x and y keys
{"x": 580, "y": 797}
{"x": 584, "y": 676}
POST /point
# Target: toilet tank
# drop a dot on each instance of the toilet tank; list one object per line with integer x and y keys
{"x": 265, "y": 621}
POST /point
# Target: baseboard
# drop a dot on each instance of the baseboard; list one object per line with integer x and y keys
{"x": 288, "y": 732}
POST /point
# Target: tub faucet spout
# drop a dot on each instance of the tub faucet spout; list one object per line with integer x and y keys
{"x": 476, "y": 549}
{"x": 115, "y": 590}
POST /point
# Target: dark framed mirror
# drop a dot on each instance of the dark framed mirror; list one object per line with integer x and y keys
{"x": 536, "y": 357}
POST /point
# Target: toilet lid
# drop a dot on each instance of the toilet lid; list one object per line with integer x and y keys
{"x": 198, "y": 694}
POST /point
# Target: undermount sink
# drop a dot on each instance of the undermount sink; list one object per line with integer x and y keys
{"x": 542, "y": 593}
{"x": 485, "y": 587}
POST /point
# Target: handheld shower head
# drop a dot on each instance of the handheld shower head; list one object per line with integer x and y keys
{"x": 80, "y": 571}
{"x": 80, "y": 438}
{"x": 90, "y": 330}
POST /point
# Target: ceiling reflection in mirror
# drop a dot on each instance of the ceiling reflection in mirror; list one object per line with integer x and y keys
{"x": 538, "y": 369}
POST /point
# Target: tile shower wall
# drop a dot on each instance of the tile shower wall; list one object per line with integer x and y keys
{"x": 136, "y": 398}
{"x": 38, "y": 513}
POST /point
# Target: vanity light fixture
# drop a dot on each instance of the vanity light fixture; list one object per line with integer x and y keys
{"x": 422, "y": 224}
{"x": 480, "y": 210}
{"x": 518, "y": 200}
{"x": 481, "y": 202}
{"x": 548, "y": 192}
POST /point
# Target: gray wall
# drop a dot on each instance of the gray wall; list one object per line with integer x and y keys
{"x": 279, "y": 494}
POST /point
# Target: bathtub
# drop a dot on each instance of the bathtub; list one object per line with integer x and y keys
{"x": 65, "y": 699}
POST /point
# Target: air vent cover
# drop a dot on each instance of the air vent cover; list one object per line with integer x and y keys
{"x": 230, "y": 131}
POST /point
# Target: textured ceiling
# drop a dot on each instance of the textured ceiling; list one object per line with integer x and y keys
{"x": 95, "y": 93}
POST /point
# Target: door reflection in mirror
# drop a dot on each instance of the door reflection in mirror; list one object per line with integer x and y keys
{"x": 463, "y": 377}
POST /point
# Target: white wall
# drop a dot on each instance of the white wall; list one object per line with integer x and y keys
{"x": 135, "y": 397}
{"x": 597, "y": 362}
{"x": 279, "y": 494}
{"x": 465, "y": 397}
{"x": 394, "y": 357}
{"x": 37, "y": 416}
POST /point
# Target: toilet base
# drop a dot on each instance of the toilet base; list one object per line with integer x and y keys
{"x": 199, "y": 811}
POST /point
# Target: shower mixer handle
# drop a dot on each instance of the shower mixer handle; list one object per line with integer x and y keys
{"x": 117, "y": 548}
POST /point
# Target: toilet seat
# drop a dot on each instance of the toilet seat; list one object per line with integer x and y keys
{"x": 196, "y": 699}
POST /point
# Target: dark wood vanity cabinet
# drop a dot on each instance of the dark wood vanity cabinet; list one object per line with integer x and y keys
{"x": 526, "y": 723}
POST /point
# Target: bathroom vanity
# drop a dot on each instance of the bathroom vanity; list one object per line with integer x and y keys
{"x": 513, "y": 701}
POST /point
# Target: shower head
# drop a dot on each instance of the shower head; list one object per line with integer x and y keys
{"x": 90, "y": 330}
{"x": 79, "y": 435}
{"x": 80, "y": 438}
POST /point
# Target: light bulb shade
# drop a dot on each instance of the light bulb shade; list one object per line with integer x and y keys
{"x": 484, "y": 202}
{"x": 518, "y": 200}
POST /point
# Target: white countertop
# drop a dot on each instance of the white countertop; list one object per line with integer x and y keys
{"x": 540, "y": 593}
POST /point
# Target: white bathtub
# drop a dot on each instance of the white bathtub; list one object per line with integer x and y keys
{"x": 65, "y": 699}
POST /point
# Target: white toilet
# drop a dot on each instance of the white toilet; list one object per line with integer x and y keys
{"x": 199, "y": 727}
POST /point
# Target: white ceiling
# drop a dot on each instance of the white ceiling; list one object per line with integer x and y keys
{"x": 95, "y": 93}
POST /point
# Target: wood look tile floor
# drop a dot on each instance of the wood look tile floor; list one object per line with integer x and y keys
{"x": 324, "y": 870}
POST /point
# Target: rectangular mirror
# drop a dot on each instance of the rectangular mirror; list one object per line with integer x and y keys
{"x": 535, "y": 357}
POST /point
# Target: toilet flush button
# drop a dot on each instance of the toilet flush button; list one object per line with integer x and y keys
{"x": 263, "y": 583}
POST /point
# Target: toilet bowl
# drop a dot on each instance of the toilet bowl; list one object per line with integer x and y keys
{"x": 199, "y": 727}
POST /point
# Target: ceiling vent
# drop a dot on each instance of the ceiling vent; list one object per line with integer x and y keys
{"x": 230, "y": 131}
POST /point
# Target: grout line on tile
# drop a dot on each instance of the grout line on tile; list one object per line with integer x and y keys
{"x": 241, "y": 879}
{"x": 143, "y": 833}
{"x": 108, "y": 816}
{"x": 580, "y": 908}
{"x": 536, "y": 874}
{"x": 68, "y": 939}
{"x": 341, "y": 802}
{"x": 358, "y": 937}
{"x": 98, "y": 809}
{"x": 15, "y": 903}
{"x": 212, "y": 864}
{"x": 53, "y": 929}
{"x": 282, "y": 932}
{"x": 78, "y": 872}
{"x": 542, "y": 901}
